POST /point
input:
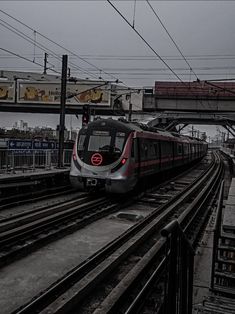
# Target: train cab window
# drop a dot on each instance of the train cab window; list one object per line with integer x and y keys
{"x": 81, "y": 142}
{"x": 119, "y": 141}
{"x": 99, "y": 143}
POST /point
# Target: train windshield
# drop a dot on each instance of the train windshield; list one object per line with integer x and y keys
{"x": 81, "y": 142}
{"x": 99, "y": 142}
{"x": 109, "y": 144}
{"x": 119, "y": 141}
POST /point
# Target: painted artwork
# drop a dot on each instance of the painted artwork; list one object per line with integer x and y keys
{"x": 43, "y": 92}
{"x": 7, "y": 91}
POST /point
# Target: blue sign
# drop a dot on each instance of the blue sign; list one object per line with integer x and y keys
{"x": 45, "y": 145}
{"x": 19, "y": 144}
{"x": 27, "y": 144}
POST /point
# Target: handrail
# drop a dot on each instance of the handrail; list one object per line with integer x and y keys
{"x": 216, "y": 231}
{"x": 180, "y": 261}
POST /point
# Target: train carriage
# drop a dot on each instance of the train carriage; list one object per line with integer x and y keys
{"x": 115, "y": 155}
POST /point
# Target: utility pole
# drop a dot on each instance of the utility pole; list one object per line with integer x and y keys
{"x": 130, "y": 112}
{"x": 62, "y": 110}
{"x": 45, "y": 63}
{"x": 192, "y": 131}
{"x": 130, "y": 108}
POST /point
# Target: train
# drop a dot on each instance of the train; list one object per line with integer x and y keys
{"x": 115, "y": 155}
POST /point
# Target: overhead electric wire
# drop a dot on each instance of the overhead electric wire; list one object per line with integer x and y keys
{"x": 19, "y": 56}
{"x": 39, "y": 45}
{"x": 221, "y": 80}
{"x": 145, "y": 41}
{"x": 84, "y": 57}
{"x": 150, "y": 58}
{"x": 219, "y": 87}
{"x": 177, "y": 47}
{"x": 164, "y": 69}
{"x": 52, "y": 41}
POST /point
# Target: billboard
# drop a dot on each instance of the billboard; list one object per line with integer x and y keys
{"x": 7, "y": 91}
{"x": 84, "y": 92}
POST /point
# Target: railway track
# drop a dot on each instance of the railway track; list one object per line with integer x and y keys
{"x": 32, "y": 187}
{"x": 123, "y": 265}
{"x": 34, "y": 196}
{"x": 27, "y": 231}
{"x": 24, "y": 232}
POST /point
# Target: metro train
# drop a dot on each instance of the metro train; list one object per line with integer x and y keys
{"x": 116, "y": 155}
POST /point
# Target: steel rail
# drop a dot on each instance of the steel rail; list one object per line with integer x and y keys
{"x": 83, "y": 270}
{"x": 23, "y": 218}
{"x": 137, "y": 304}
{"x": 21, "y": 199}
{"x": 7, "y": 237}
{"x": 114, "y": 300}
{"x": 13, "y": 252}
{"x": 14, "y": 222}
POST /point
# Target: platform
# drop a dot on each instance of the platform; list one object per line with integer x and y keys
{"x": 228, "y": 223}
{"x": 36, "y": 174}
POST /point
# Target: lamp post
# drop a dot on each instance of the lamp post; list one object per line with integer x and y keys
{"x": 62, "y": 110}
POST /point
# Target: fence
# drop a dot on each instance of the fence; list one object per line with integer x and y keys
{"x": 179, "y": 279}
{"x": 11, "y": 161}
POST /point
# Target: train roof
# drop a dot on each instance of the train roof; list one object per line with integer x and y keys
{"x": 126, "y": 126}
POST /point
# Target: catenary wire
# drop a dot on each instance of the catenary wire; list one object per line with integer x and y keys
{"x": 172, "y": 39}
{"x": 40, "y": 46}
{"x": 26, "y": 59}
{"x": 52, "y": 41}
{"x": 145, "y": 41}
{"x": 143, "y": 58}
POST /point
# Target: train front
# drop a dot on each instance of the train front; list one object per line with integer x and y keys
{"x": 102, "y": 157}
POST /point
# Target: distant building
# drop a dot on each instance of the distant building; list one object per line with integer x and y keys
{"x": 21, "y": 125}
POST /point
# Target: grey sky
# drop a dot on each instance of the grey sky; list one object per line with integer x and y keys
{"x": 204, "y": 31}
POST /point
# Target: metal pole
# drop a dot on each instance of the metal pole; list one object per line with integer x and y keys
{"x": 62, "y": 110}
{"x": 130, "y": 110}
{"x": 45, "y": 63}
{"x": 33, "y": 160}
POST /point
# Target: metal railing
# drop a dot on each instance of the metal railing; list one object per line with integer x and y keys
{"x": 179, "y": 264}
{"x": 217, "y": 234}
{"x": 11, "y": 161}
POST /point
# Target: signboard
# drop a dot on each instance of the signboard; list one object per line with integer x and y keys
{"x": 28, "y": 144}
{"x": 81, "y": 92}
{"x": 21, "y": 145}
{"x": 7, "y": 91}
{"x": 45, "y": 145}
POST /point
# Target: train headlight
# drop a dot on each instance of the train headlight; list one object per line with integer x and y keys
{"x": 123, "y": 161}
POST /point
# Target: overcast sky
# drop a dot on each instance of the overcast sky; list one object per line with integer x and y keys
{"x": 95, "y": 32}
